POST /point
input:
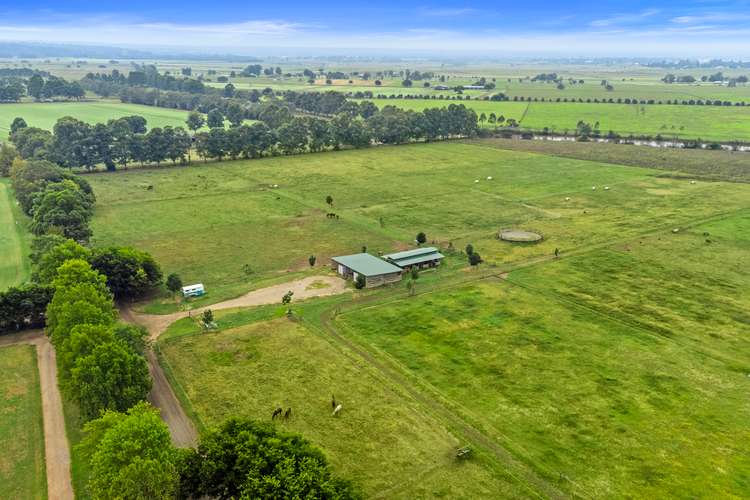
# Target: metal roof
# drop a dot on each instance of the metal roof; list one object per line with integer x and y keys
{"x": 366, "y": 264}
{"x": 410, "y": 253}
{"x": 418, "y": 259}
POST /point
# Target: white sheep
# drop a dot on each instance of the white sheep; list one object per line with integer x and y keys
{"x": 476, "y": 181}
{"x": 489, "y": 177}
{"x": 336, "y": 410}
{"x": 606, "y": 188}
{"x": 593, "y": 188}
{"x": 692, "y": 182}
{"x": 567, "y": 198}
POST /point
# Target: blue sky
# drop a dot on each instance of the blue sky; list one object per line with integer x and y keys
{"x": 699, "y": 28}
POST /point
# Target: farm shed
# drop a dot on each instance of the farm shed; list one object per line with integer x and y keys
{"x": 421, "y": 258}
{"x": 375, "y": 271}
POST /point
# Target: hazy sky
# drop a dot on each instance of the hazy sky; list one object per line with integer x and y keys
{"x": 700, "y": 28}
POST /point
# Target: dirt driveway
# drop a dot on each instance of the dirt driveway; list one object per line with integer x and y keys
{"x": 56, "y": 449}
{"x": 162, "y": 396}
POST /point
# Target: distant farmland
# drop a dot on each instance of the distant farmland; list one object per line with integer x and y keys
{"x": 44, "y": 115}
{"x": 717, "y": 123}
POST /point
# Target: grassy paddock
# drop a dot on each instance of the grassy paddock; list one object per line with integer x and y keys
{"x": 716, "y": 165}
{"x": 44, "y": 115}
{"x": 382, "y": 440}
{"x": 611, "y": 408}
{"x": 22, "y": 470}
{"x": 14, "y": 240}
{"x": 223, "y": 225}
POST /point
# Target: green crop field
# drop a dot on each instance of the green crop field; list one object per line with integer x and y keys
{"x": 14, "y": 240}
{"x": 718, "y": 123}
{"x": 619, "y": 369}
{"x": 44, "y": 115}
{"x": 22, "y": 471}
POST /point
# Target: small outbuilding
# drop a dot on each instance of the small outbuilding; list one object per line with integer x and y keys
{"x": 420, "y": 258}
{"x": 193, "y": 290}
{"x": 375, "y": 271}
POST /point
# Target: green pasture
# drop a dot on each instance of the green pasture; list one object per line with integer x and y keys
{"x": 698, "y": 163}
{"x": 14, "y": 240}
{"x": 619, "y": 369}
{"x": 22, "y": 469}
{"x": 382, "y": 439}
{"x": 629, "y": 88}
{"x": 45, "y": 115}
{"x": 621, "y": 372}
{"x": 718, "y": 123}
{"x": 224, "y": 225}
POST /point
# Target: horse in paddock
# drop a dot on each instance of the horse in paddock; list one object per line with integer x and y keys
{"x": 276, "y": 413}
{"x": 288, "y": 414}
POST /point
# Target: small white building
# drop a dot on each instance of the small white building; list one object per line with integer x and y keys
{"x": 193, "y": 290}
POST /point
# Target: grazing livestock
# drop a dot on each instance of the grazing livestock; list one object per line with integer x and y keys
{"x": 336, "y": 410}
{"x": 333, "y": 402}
{"x": 288, "y": 414}
{"x": 276, "y": 413}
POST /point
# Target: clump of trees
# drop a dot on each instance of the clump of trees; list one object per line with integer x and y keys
{"x": 57, "y": 201}
{"x": 24, "y": 306}
{"x": 130, "y": 455}
{"x": 39, "y": 85}
{"x": 248, "y": 459}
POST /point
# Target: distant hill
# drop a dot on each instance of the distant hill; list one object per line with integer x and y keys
{"x": 31, "y": 50}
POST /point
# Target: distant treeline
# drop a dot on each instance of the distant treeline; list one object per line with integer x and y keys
{"x": 694, "y": 63}
{"x": 713, "y": 78}
{"x": 21, "y": 72}
{"x": 589, "y": 100}
{"x": 13, "y": 88}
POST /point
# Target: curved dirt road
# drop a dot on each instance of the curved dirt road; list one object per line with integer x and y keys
{"x": 305, "y": 288}
{"x": 56, "y": 449}
{"x": 162, "y": 396}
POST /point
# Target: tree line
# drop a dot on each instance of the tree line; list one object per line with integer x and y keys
{"x": 389, "y": 125}
{"x": 13, "y": 88}
{"x": 76, "y": 144}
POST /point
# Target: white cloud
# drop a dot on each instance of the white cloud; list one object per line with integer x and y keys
{"x": 626, "y": 18}
{"x": 713, "y": 17}
{"x": 446, "y": 12}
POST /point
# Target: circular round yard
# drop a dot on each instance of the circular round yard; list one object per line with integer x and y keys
{"x": 517, "y": 236}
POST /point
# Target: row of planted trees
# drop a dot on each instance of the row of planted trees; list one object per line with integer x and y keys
{"x": 76, "y": 144}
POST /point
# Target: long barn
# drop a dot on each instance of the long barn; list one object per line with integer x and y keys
{"x": 420, "y": 258}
